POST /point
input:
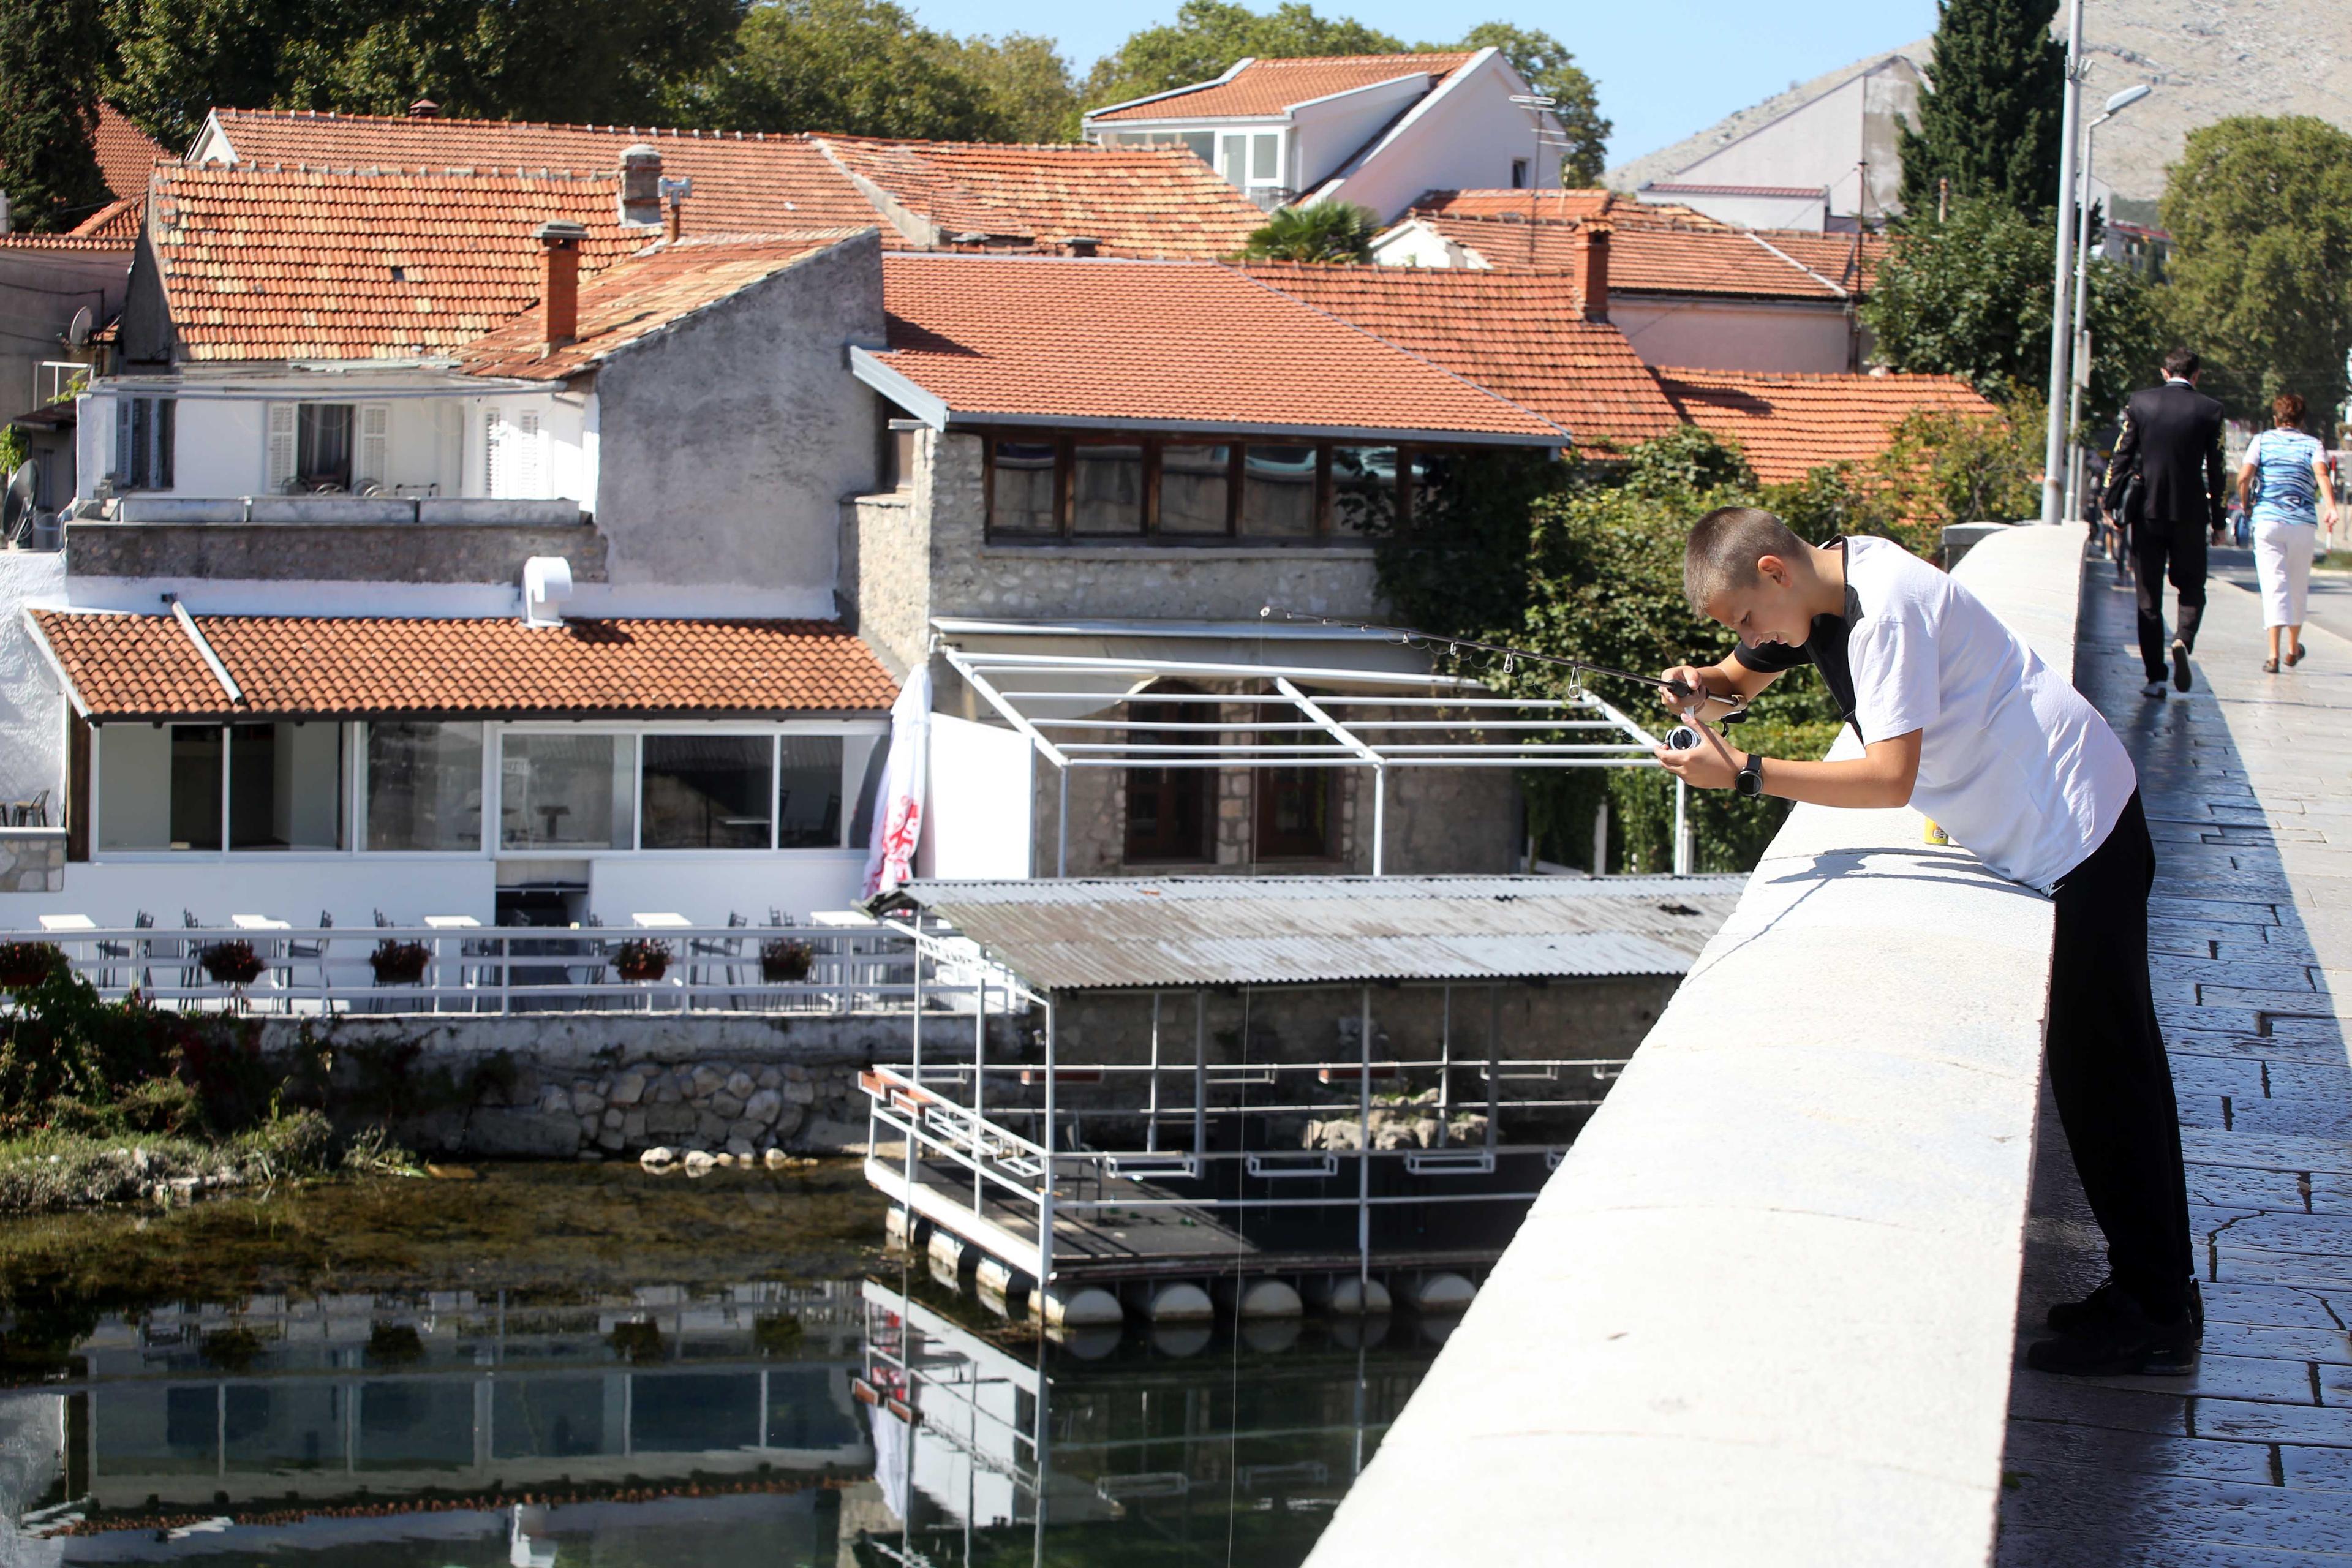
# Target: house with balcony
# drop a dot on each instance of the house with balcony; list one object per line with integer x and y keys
{"x": 456, "y": 545}
{"x": 1373, "y": 130}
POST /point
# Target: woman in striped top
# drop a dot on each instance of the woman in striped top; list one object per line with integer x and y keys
{"x": 2283, "y": 486}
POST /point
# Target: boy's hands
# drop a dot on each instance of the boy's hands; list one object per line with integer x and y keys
{"x": 1710, "y": 764}
{"x": 1687, "y": 675}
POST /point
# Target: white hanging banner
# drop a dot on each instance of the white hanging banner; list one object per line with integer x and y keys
{"x": 898, "y": 814}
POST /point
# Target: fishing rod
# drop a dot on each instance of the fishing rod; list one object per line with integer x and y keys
{"x": 1577, "y": 668}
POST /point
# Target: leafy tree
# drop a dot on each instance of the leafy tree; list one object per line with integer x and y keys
{"x": 1991, "y": 125}
{"x": 1970, "y": 297}
{"x": 2261, "y": 211}
{"x": 860, "y": 67}
{"x": 1948, "y": 467}
{"x": 49, "y": 56}
{"x": 607, "y": 61}
{"x": 1323, "y": 231}
{"x": 1551, "y": 70}
{"x": 1026, "y": 82}
{"x": 1210, "y": 34}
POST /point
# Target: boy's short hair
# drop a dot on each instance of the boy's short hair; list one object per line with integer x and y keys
{"x": 1724, "y": 548}
{"x": 2182, "y": 362}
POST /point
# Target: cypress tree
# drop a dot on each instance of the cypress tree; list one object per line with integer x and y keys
{"x": 1991, "y": 125}
{"x": 51, "y": 52}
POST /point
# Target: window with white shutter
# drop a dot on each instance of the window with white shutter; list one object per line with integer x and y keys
{"x": 280, "y": 474}
{"x": 527, "y": 467}
{"x": 125, "y": 444}
{"x": 375, "y": 447}
{"x": 494, "y": 470}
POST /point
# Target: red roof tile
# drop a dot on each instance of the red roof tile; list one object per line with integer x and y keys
{"x": 295, "y": 263}
{"x": 1568, "y": 206}
{"x": 641, "y": 296}
{"x": 1515, "y": 333}
{"x": 1791, "y": 425}
{"x": 1192, "y": 344}
{"x": 1646, "y": 259}
{"x": 126, "y": 154}
{"x": 141, "y": 667}
{"x": 743, "y": 183}
{"x": 118, "y": 221}
{"x": 1265, "y": 87}
{"x": 1135, "y": 201}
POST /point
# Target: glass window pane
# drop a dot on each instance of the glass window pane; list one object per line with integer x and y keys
{"x": 1264, "y": 153}
{"x": 1193, "y": 482}
{"x": 1170, "y": 809}
{"x": 134, "y": 793}
{"x": 1293, "y": 814}
{"x": 808, "y": 793}
{"x": 286, "y": 786}
{"x": 1237, "y": 165}
{"x": 1278, "y": 492}
{"x": 195, "y": 786}
{"x": 869, "y": 757}
{"x": 1105, "y": 489}
{"x": 1020, "y": 495}
{"x": 1202, "y": 144}
{"x": 323, "y": 445}
{"x": 1363, "y": 488}
{"x": 565, "y": 791}
{"x": 1429, "y": 473}
{"x": 707, "y": 792}
{"x": 424, "y": 786}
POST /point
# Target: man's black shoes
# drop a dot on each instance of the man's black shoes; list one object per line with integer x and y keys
{"x": 2179, "y": 665}
{"x": 2117, "y": 1338}
{"x": 2065, "y": 1317}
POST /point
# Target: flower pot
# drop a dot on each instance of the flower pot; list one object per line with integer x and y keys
{"x": 785, "y": 962}
{"x": 399, "y": 962}
{"x": 231, "y": 962}
{"x": 642, "y": 960}
{"x": 24, "y": 965}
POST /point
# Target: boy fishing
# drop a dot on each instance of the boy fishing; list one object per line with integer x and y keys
{"x": 1959, "y": 718}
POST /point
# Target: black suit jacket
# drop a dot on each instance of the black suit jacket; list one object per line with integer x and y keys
{"x": 2172, "y": 440}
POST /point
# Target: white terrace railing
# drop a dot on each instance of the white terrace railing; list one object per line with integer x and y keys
{"x": 322, "y": 970}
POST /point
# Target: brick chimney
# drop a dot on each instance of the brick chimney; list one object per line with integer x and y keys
{"x": 1590, "y": 263}
{"x": 424, "y": 109}
{"x": 641, "y": 175}
{"x": 559, "y": 291}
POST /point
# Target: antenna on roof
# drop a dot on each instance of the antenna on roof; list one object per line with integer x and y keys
{"x": 17, "y": 507}
{"x": 78, "y": 335}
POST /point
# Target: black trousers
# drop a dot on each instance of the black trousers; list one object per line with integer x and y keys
{"x": 2158, "y": 551}
{"x": 2107, "y": 1067}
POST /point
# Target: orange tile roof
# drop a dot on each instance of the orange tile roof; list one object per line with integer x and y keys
{"x": 641, "y": 296}
{"x": 1568, "y": 206}
{"x": 303, "y": 263}
{"x": 1515, "y": 333}
{"x": 1791, "y": 425}
{"x": 1136, "y": 201}
{"x": 1849, "y": 260}
{"x": 119, "y": 221}
{"x": 126, "y": 154}
{"x": 1043, "y": 340}
{"x": 1267, "y": 86}
{"x": 1647, "y": 259}
{"x": 145, "y": 667}
{"x": 743, "y": 184}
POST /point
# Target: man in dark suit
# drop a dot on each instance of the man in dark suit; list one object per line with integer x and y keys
{"x": 2172, "y": 441}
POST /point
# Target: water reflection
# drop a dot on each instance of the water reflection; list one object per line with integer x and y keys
{"x": 834, "y": 1422}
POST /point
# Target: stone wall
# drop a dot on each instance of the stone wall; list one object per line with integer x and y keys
{"x": 329, "y": 553}
{"x": 33, "y": 859}
{"x": 883, "y": 566}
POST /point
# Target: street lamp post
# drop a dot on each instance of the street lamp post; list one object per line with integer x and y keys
{"x": 2053, "y": 443}
{"x": 2075, "y": 451}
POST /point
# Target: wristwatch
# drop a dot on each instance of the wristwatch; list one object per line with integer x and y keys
{"x": 1750, "y": 782}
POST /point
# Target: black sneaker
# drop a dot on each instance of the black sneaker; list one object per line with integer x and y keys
{"x": 2179, "y": 665}
{"x": 2123, "y": 1341}
{"x": 2065, "y": 1317}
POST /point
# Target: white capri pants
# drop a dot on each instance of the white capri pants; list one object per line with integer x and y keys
{"x": 2282, "y": 561}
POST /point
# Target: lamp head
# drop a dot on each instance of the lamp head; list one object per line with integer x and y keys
{"x": 2129, "y": 97}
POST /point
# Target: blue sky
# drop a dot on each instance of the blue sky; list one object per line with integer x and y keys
{"x": 1666, "y": 67}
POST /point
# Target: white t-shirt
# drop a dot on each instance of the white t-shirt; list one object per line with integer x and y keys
{"x": 2014, "y": 763}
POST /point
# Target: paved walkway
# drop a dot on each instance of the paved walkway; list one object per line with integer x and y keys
{"x": 2248, "y": 785}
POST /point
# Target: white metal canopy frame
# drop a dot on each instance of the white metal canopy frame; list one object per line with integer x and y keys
{"x": 1072, "y": 708}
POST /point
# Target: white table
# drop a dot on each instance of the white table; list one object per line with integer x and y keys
{"x": 465, "y": 976}
{"x": 661, "y": 921}
{"x": 68, "y": 922}
{"x": 259, "y": 922}
{"x": 453, "y": 923}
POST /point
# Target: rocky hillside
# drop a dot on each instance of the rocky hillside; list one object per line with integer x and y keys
{"x": 2206, "y": 58}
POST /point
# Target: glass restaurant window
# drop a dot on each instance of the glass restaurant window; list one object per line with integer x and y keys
{"x": 159, "y": 789}
{"x": 1105, "y": 489}
{"x": 567, "y": 792}
{"x": 1278, "y": 484}
{"x": 1170, "y": 809}
{"x": 808, "y": 793}
{"x": 708, "y": 792}
{"x": 286, "y": 786}
{"x": 1363, "y": 488}
{"x": 1293, "y": 814}
{"x": 423, "y": 787}
{"x": 1021, "y": 485}
{"x": 1195, "y": 482}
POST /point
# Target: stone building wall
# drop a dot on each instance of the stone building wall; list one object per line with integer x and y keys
{"x": 33, "y": 859}
{"x": 329, "y": 553}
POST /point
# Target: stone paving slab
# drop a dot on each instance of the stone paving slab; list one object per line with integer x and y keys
{"x": 2248, "y": 1463}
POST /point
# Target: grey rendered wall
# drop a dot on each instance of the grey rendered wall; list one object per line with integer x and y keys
{"x": 728, "y": 441}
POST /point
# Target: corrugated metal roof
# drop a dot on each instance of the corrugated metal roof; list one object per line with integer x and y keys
{"x": 1098, "y": 933}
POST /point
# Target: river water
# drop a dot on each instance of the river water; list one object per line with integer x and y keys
{"x": 544, "y": 1366}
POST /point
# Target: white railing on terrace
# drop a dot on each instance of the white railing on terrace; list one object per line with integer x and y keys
{"x": 348, "y": 510}
{"x": 329, "y": 970}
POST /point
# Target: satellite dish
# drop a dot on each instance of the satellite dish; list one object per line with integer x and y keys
{"x": 16, "y": 509}
{"x": 78, "y": 333}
